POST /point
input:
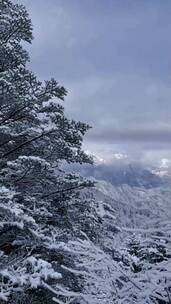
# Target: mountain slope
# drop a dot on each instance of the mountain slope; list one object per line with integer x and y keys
{"x": 134, "y": 257}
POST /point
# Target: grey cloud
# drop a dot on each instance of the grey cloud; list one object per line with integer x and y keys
{"x": 114, "y": 58}
{"x": 78, "y": 38}
{"x": 123, "y": 108}
{"x": 133, "y": 135}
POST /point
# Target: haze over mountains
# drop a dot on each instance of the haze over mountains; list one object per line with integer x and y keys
{"x": 121, "y": 170}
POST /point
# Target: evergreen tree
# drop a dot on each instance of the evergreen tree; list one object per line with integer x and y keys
{"x": 37, "y": 198}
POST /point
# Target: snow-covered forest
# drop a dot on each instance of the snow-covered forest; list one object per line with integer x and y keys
{"x": 65, "y": 238}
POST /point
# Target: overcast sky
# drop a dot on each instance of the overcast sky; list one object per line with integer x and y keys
{"x": 114, "y": 57}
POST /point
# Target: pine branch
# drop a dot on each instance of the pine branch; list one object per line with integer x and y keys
{"x": 26, "y": 143}
{"x": 63, "y": 190}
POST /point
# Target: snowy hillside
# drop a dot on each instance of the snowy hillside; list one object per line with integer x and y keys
{"x": 137, "y": 207}
{"x": 143, "y": 220}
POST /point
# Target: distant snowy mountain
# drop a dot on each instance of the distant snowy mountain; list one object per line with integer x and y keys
{"x": 163, "y": 169}
{"x": 123, "y": 173}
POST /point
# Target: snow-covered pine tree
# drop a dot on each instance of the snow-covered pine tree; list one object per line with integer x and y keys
{"x": 37, "y": 198}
